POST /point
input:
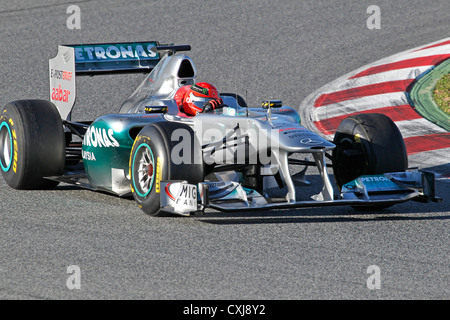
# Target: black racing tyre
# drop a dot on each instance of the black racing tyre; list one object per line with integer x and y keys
{"x": 367, "y": 144}
{"x": 151, "y": 161}
{"x": 32, "y": 144}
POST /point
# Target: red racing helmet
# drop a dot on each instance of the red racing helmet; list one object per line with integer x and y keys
{"x": 197, "y": 96}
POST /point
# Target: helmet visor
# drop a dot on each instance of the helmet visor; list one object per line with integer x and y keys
{"x": 199, "y": 102}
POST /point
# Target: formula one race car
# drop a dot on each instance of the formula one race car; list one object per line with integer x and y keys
{"x": 227, "y": 156}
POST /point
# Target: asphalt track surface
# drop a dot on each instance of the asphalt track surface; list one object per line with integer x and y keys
{"x": 269, "y": 49}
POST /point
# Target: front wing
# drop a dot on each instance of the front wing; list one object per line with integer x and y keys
{"x": 182, "y": 198}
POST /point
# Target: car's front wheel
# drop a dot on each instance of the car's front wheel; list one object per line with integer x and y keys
{"x": 154, "y": 159}
{"x": 367, "y": 144}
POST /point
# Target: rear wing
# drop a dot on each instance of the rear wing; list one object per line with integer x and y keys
{"x": 93, "y": 59}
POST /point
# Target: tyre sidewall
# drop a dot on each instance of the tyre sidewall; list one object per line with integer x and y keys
{"x": 10, "y": 118}
{"x": 152, "y": 139}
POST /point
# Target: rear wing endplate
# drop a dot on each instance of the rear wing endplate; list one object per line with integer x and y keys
{"x": 93, "y": 59}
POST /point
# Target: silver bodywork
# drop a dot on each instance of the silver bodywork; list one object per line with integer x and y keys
{"x": 161, "y": 85}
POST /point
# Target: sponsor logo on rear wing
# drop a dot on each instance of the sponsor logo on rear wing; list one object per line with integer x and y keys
{"x": 115, "y": 57}
{"x": 91, "y": 59}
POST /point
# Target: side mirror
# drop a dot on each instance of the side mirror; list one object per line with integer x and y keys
{"x": 272, "y": 104}
{"x": 156, "y": 109}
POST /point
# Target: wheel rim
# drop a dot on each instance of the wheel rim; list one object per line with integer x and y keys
{"x": 6, "y": 147}
{"x": 143, "y": 170}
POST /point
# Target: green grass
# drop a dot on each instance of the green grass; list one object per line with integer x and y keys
{"x": 441, "y": 93}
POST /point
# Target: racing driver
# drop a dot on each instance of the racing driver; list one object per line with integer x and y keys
{"x": 200, "y": 97}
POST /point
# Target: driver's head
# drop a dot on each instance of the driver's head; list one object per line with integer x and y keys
{"x": 197, "y": 96}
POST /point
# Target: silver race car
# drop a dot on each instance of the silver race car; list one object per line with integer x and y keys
{"x": 226, "y": 155}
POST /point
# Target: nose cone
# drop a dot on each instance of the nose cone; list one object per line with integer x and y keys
{"x": 300, "y": 139}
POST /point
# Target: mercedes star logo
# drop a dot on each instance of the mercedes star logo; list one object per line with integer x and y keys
{"x": 310, "y": 141}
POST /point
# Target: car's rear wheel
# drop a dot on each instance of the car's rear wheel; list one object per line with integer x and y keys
{"x": 367, "y": 144}
{"x": 152, "y": 161}
{"x": 32, "y": 144}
